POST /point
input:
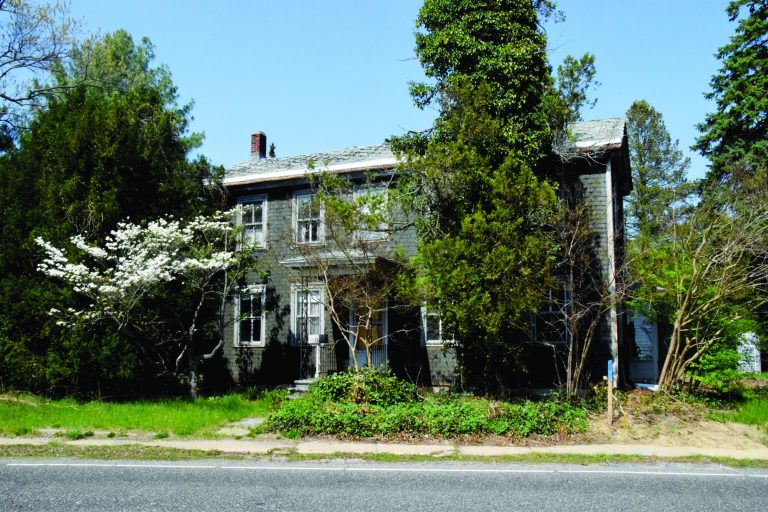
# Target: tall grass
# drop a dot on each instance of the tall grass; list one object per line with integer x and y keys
{"x": 26, "y": 413}
{"x": 753, "y": 412}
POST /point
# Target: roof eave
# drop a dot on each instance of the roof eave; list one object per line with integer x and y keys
{"x": 301, "y": 172}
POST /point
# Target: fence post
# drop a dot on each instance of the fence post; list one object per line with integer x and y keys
{"x": 610, "y": 392}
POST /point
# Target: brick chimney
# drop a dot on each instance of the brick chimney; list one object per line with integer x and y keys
{"x": 258, "y": 145}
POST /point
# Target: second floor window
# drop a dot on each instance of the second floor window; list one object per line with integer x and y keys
{"x": 253, "y": 220}
{"x": 373, "y": 214}
{"x": 308, "y": 219}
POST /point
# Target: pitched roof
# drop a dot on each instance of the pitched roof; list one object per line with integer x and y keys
{"x": 600, "y": 135}
{"x": 345, "y": 160}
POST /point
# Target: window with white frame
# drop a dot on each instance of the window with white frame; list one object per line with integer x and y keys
{"x": 249, "y": 316}
{"x": 373, "y": 202}
{"x": 432, "y": 326}
{"x": 253, "y": 219}
{"x": 308, "y": 218}
{"x": 308, "y": 313}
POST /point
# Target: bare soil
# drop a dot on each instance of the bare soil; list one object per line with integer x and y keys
{"x": 647, "y": 418}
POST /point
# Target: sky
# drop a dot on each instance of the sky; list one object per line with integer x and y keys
{"x": 324, "y": 75}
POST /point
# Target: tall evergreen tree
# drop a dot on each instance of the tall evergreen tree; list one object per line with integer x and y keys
{"x": 485, "y": 258}
{"x": 737, "y": 132}
{"x": 499, "y": 43}
{"x": 660, "y": 186}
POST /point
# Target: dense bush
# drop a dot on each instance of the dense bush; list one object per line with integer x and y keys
{"x": 371, "y": 403}
{"x": 365, "y": 386}
{"x": 718, "y": 370}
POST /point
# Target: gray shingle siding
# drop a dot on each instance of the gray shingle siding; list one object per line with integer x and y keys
{"x": 280, "y": 178}
{"x": 247, "y": 363}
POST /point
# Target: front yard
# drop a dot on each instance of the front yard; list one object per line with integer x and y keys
{"x": 25, "y": 414}
{"x": 371, "y": 405}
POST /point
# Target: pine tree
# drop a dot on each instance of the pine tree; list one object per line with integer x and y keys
{"x": 659, "y": 172}
{"x": 737, "y": 132}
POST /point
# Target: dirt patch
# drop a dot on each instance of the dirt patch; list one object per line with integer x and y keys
{"x": 647, "y": 418}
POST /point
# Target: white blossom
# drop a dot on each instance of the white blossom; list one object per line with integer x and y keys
{"x": 134, "y": 260}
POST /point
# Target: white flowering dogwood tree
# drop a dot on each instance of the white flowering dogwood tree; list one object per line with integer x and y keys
{"x": 138, "y": 263}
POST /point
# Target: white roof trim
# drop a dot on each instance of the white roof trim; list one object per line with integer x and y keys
{"x": 298, "y": 172}
{"x": 616, "y": 141}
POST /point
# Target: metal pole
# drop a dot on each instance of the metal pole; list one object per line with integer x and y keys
{"x": 610, "y": 392}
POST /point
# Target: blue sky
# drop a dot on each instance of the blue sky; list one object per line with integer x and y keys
{"x": 318, "y": 76}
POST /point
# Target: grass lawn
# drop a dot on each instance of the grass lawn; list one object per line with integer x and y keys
{"x": 23, "y": 414}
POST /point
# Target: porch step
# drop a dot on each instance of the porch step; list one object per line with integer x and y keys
{"x": 300, "y": 387}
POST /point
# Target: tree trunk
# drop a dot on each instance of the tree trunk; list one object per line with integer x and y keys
{"x": 193, "y": 362}
{"x": 666, "y": 376}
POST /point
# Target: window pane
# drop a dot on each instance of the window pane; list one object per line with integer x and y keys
{"x": 250, "y": 236}
{"x": 303, "y": 234}
{"x": 313, "y": 231}
{"x": 433, "y": 327}
{"x": 256, "y": 209}
{"x": 314, "y": 306}
{"x": 256, "y": 333}
{"x": 248, "y": 213}
{"x": 313, "y": 326}
{"x": 245, "y": 330}
{"x": 253, "y": 226}
{"x": 251, "y": 317}
{"x": 307, "y": 219}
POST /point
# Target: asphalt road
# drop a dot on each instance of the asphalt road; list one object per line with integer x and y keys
{"x": 64, "y": 485}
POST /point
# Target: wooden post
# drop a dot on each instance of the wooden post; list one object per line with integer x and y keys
{"x": 610, "y": 392}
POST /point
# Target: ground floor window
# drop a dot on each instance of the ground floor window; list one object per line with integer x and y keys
{"x": 432, "y": 326}
{"x": 550, "y": 324}
{"x": 249, "y": 316}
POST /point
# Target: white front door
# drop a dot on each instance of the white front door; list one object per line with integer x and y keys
{"x": 308, "y": 319}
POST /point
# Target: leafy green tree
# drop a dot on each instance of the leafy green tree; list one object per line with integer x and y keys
{"x": 707, "y": 279}
{"x": 93, "y": 156}
{"x": 573, "y": 80}
{"x": 485, "y": 256}
{"x": 737, "y": 132}
{"x": 499, "y": 43}
{"x": 660, "y": 187}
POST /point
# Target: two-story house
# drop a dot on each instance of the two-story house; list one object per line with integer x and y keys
{"x": 280, "y": 326}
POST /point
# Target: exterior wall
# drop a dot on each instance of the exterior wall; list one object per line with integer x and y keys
{"x": 278, "y": 362}
{"x": 601, "y": 189}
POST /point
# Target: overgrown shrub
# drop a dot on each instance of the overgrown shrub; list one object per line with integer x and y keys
{"x": 372, "y": 403}
{"x": 365, "y": 386}
{"x": 718, "y": 370}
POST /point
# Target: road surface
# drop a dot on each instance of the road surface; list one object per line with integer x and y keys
{"x": 223, "y": 486}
